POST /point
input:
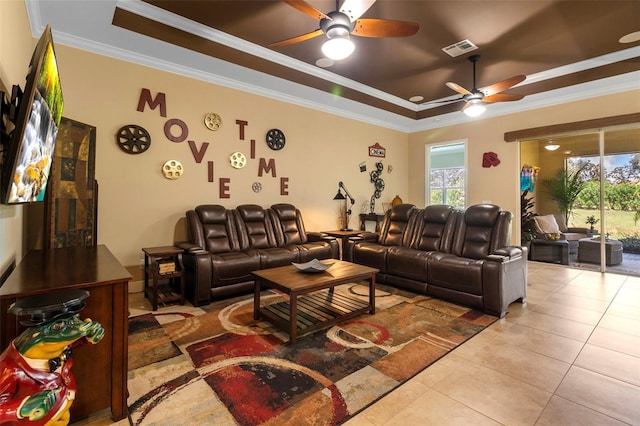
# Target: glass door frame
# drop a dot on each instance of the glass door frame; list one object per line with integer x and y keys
{"x": 601, "y": 132}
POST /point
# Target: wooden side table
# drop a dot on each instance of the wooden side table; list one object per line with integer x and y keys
{"x": 164, "y": 266}
{"x": 371, "y": 217}
{"x": 344, "y": 237}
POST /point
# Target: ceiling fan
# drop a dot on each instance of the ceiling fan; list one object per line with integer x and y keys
{"x": 339, "y": 24}
{"x": 476, "y": 98}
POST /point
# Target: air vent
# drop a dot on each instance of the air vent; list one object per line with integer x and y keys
{"x": 460, "y": 48}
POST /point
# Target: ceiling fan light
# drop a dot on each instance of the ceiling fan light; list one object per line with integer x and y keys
{"x": 475, "y": 108}
{"x": 338, "y": 48}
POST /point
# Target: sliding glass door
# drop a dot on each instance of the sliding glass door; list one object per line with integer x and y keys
{"x": 590, "y": 183}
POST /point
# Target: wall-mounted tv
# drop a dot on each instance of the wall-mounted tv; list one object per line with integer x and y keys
{"x": 28, "y": 155}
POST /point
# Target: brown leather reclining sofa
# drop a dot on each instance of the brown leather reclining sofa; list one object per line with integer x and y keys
{"x": 448, "y": 253}
{"x": 225, "y": 245}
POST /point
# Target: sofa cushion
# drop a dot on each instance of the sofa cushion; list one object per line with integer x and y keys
{"x": 395, "y": 229}
{"x": 315, "y": 250}
{"x": 278, "y": 256}
{"x": 291, "y": 228}
{"x": 547, "y": 224}
{"x": 234, "y": 267}
{"x": 478, "y": 229}
{"x": 455, "y": 273}
{"x": 371, "y": 254}
{"x": 254, "y": 228}
{"x": 434, "y": 229}
{"x": 408, "y": 263}
{"x": 217, "y": 230}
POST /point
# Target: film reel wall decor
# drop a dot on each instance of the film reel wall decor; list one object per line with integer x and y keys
{"x": 378, "y": 183}
{"x": 172, "y": 169}
{"x": 134, "y": 139}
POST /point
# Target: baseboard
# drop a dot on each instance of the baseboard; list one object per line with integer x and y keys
{"x": 136, "y": 286}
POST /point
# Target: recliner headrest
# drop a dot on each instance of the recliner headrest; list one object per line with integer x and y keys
{"x": 401, "y": 212}
{"x": 251, "y": 212}
{"x": 284, "y": 211}
{"x": 437, "y": 213}
{"x": 481, "y": 215}
{"x": 211, "y": 213}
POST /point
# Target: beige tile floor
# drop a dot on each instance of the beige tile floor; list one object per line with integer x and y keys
{"x": 570, "y": 356}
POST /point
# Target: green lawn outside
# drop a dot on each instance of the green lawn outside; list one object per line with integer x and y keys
{"x": 618, "y": 223}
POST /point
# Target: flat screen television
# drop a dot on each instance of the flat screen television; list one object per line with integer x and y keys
{"x": 28, "y": 156}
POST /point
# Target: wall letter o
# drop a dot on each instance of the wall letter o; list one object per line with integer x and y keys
{"x": 183, "y": 128}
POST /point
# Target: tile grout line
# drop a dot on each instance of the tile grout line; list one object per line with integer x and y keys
{"x": 554, "y": 393}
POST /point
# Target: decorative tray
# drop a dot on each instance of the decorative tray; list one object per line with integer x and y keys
{"x": 312, "y": 266}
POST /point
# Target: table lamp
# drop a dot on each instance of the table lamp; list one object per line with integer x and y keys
{"x": 340, "y": 196}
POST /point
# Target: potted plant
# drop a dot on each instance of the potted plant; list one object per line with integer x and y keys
{"x": 591, "y": 220}
{"x": 564, "y": 188}
{"x": 527, "y": 224}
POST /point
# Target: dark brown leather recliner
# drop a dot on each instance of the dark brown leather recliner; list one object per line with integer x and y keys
{"x": 225, "y": 246}
{"x": 481, "y": 270}
{"x": 256, "y": 232}
{"x": 458, "y": 255}
{"x": 215, "y": 264}
{"x": 407, "y": 266}
{"x": 290, "y": 231}
{"x": 396, "y": 231}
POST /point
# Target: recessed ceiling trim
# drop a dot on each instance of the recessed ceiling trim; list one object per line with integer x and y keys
{"x": 160, "y": 15}
{"x": 591, "y": 89}
{"x": 153, "y": 53}
{"x": 279, "y": 89}
{"x": 167, "y": 18}
{"x": 621, "y": 55}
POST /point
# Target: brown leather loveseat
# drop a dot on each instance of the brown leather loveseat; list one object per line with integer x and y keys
{"x": 225, "y": 245}
{"x": 453, "y": 254}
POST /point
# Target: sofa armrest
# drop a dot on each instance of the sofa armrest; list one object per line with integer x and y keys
{"x": 189, "y": 247}
{"x": 319, "y": 236}
{"x": 198, "y": 274}
{"x": 510, "y": 252}
{"x": 503, "y": 282}
{"x": 371, "y": 237}
{"x": 579, "y": 230}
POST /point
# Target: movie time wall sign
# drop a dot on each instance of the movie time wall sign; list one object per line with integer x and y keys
{"x": 136, "y": 140}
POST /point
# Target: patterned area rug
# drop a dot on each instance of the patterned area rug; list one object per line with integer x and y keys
{"x": 217, "y": 365}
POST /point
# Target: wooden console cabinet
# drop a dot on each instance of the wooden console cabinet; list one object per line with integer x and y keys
{"x": 101, "y": 369}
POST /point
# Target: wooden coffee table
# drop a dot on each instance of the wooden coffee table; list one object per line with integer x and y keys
{"x": 312, "y": 303}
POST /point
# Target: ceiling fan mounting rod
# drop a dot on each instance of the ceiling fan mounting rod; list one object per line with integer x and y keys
{"x": 474, "y": 59}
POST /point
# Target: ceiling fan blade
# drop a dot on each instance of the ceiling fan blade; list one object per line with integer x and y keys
{"x": 444, "y": 101}
{"x": 457, "y": 88}
{"x": 306, "y": 8}
{"x": 502, "y": 97}
{"x": 503, "y": 85}
{"x": 297, "y": 39}
{"x": 356, "y": 8}
{"x": 384, "y": 28}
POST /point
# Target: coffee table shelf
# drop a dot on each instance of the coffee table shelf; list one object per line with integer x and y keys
{"x": 312, "y": 303}
{"x": 315, "y": 310}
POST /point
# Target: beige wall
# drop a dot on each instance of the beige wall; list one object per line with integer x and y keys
{"x": 16, "y": 46}
{"x": 500, "y": 185}
{"x": 138, "y": 207}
